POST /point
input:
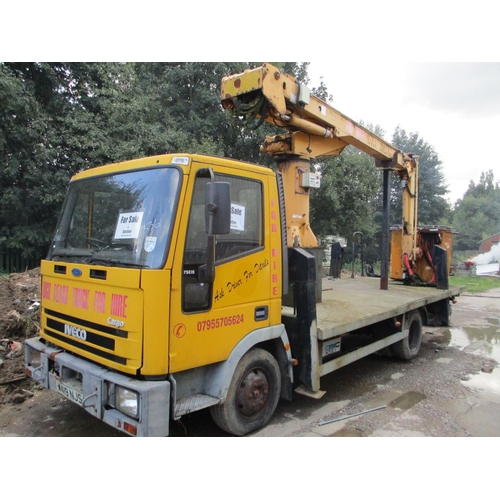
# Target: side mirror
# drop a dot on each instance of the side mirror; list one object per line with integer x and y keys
{"x": 217, "y": 220}
{"x": 217, "y": 208}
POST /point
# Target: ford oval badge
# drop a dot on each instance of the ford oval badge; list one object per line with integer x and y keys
{"x": 76, "y": 272}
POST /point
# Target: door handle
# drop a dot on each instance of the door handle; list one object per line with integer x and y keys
{"x": 261, "y": 313}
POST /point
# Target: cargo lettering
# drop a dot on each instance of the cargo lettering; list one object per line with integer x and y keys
{"x": 115, "y": 322}
{"x": 118, "y": 305}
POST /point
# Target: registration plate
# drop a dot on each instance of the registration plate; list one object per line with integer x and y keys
{"x": 331, "y": 347}
{"x": 70, "y": 392}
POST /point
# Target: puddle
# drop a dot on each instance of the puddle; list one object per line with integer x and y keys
{"x": 407, "y": 400}
{"x": 482, "y": 341}
{"x": 348, "y": 433}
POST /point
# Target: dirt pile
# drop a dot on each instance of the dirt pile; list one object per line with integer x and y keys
{"x": 19, "y": 320}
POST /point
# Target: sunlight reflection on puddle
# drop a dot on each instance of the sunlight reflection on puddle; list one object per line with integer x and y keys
{"x": 482, "y": 341}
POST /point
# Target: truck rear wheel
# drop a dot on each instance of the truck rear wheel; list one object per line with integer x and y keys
{"x": 408, "y": 348}
{"x": 252, "y": 396}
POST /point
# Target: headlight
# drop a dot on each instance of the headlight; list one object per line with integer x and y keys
{"x": 127, "y": 401}
{"x": 34, "y": 358}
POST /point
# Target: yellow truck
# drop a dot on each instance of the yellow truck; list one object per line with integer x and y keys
{"x": 181, "y": 282}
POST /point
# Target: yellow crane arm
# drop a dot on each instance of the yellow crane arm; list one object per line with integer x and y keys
{"x": 315, "y": 129}
{"x": 279, "y": 99}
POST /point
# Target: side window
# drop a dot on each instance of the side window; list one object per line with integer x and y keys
{"x": 247, "y": 225}
{"x": 246, "y": 235}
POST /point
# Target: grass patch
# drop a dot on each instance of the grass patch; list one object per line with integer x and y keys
{"x": 475, "y": 284}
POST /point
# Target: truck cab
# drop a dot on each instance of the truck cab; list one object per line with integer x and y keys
{"x": 146, "y": 310}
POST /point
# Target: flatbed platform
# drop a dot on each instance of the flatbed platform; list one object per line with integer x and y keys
{"x": 352, "y": 303}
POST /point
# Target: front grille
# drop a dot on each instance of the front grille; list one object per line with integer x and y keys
{"x": 75, "y": 332}
{"x": 90, "y": 337}
{"x": 88, "y": 324}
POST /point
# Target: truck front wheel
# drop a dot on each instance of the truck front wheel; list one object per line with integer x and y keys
{"x": 408, "y": 348}
{"x": 252, "y": 396}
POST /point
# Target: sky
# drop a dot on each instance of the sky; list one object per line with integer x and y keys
{"x": 454, "y": 107}
{"x": 360, "y": 49}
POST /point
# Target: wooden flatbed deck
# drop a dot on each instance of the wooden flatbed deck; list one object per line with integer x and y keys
{"x": 352, "y": 303}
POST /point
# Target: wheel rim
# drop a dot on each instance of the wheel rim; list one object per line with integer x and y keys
{"x": 253, "y": 393}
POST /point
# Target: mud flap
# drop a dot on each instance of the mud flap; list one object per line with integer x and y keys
{"x": 440, "y": 259}
{"x": 302, "y": 332}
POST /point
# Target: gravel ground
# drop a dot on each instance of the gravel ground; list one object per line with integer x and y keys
{"x": 434, "y": 395}
{"x": 430, "y": 395}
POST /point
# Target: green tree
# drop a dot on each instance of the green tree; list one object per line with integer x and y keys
{"x": 351, "y": 195}
{"x": 349, "y": 199}
{"x": 343, "y": 203}
{"x": 476, "y": 216}
{"x": 29, "y": 106}
{"x": 52, "y": 124}
{"x": 60, "y": 118}
{"x": 187, "y": 99}
{"x": 433, "y": 208}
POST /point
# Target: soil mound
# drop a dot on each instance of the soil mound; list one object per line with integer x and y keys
{"x": 19, "y": 320}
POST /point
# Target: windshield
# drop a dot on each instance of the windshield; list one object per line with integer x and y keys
{"x": 119, "y": 220}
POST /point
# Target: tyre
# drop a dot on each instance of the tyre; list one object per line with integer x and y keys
{"x": 408, "y": 348}
{"x": 386, "y": 352}
{"x": 252, "y": 396}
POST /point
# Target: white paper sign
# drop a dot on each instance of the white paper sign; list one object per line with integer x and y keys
{"x": 128, "y": 225}
{"x": 237, "y": 217}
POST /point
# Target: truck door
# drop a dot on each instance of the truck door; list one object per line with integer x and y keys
{"x": 209, "y": 319}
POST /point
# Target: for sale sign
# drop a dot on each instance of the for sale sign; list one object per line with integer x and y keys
{"x": 128, "y": 225}
{"x": 237, "y": 217}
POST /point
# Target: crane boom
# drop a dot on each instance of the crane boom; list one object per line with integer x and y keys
{"x": 315, "y": 129}
{"x": 279, "y": 99}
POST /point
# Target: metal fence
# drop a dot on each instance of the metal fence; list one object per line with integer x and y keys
{"x": 12, "y": 261}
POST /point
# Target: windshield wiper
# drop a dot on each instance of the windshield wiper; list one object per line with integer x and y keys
{"x": 69, "y": 252}
{"x": 115, "y": 262}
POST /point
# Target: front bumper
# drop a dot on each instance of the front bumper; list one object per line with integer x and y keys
{"x": 94, "y": 387}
